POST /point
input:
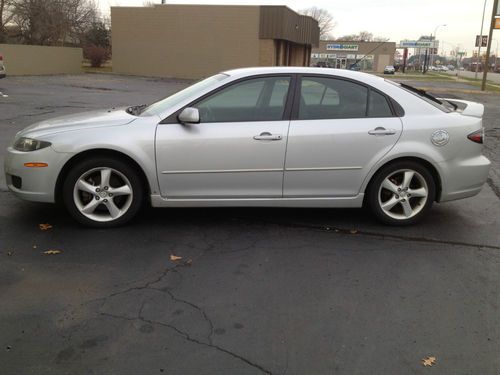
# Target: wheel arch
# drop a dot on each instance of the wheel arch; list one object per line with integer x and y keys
{"x": 425, "y": 163}
{"x": 75, "y": 159}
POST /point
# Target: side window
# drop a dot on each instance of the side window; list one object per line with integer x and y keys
{"x": 259, "y": 99}
{"x": 331, "y": 98}
{"x": 378, "y": 105}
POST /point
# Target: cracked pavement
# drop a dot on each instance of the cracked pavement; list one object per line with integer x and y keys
{"x": 267, "y": 291}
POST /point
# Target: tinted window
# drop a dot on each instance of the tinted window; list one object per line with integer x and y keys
{"x": 259, "y": 99}
{"x": 331, "y": 98}
{"x": 378, "y": 105}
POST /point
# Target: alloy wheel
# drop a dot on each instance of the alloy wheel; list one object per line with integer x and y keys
{"x": 403, "y": 194}
{"x": 103, "y": 194}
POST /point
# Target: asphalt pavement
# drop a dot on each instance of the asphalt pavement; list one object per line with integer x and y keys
{"x": 276, "y": 291}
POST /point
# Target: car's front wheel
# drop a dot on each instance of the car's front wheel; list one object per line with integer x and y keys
{"x": 102, "y": 192}
{"x": 402, "y": 193}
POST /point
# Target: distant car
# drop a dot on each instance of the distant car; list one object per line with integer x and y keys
{"x": 279, "y": 136}
{"x": 451, "y": 67}
{"x": 389, "y": 69}
{"x": 355, "y": 67}
{"x": 3, "y": 72}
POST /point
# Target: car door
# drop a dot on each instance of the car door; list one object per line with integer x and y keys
{"x": 238, "y": 148}
{"x": 339, "y": 130}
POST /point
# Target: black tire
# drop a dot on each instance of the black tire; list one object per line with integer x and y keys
{"x": 421, "y": 207}
{"x": 121, "y": 171}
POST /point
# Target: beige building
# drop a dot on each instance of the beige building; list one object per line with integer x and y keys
{"x": 368, "y": 56}
{"x": 194, "y": 41}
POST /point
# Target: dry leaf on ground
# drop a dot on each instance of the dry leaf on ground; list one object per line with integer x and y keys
{"x": 45, "y": 226}
{"x": 429, "y": 361}
{"x": 353, "y": 231}
{"x": 52, "y": 252}
{"x": 10, "y": 253}
{"x": 173, "y": 257}
{"x": 188, "y": 262}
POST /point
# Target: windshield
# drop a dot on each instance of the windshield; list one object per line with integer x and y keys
{"x": 438, "y": 103}
{"x": 172, "y": 100}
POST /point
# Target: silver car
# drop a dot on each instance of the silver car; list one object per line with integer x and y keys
{"x": 281, "y": 136}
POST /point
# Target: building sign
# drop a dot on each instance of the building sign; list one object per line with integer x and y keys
{"x": 342, "y": 47}
{"x": 481, "y": 40}
{"x": 415, "y": 44}
{"x": 323, "y": 56}
{"x": 497, "y": 23}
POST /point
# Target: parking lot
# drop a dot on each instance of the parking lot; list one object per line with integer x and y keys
{"x": 258, "y": 290}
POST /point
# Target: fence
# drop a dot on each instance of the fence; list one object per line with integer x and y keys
{"x": 39, "y": 60}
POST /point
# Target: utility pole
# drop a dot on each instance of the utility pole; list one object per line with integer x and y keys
{"x": 480, "y": 42}
{"x": 488, "y": 49}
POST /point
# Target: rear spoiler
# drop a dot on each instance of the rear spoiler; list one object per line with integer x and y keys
{"x": 467, "y": 108}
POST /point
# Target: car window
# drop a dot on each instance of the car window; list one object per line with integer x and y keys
{"x": 171, "y": 101}
{"x": 258, "y": 99}
{"x": 378, "y": 105}
{"x": 331, "y": 98}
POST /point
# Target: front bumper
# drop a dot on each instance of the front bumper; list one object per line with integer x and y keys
{"x": 33, "y": 184}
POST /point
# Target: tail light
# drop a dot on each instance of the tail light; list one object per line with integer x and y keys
{"x": 477, "y": 136}
{"x": 1, "y": 57}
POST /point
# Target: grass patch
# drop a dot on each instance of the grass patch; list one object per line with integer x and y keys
{"x": 432, "y": 77}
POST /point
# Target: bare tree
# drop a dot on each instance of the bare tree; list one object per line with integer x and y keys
{"x": 363, "y": 36}
{"x": 53, "y": 22}
{"x": 5, "y": 17}
{"x": 324, "y": 18}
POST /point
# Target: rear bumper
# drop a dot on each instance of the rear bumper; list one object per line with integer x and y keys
{"x": 464, "y": 178}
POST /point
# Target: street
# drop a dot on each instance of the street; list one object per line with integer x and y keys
{"x": 254, "y": 290}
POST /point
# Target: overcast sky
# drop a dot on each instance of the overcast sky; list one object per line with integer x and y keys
{"x": 396, "y": 20}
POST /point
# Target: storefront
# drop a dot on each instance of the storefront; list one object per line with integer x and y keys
{"x": 366, "y": 56}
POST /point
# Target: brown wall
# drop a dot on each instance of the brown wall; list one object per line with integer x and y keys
{"x": 184, "y": 41}
{"x": 39, "y": 60}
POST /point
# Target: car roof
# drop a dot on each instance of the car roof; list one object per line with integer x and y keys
{"x": 355, "y": 75}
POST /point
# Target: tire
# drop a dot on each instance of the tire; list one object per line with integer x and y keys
{"x": 409, "y": 204}
{"x": 103, "y": 192}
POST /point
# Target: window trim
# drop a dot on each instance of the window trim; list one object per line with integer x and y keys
{"x": 395, "y": 107}
{"x": 173, "y": 118}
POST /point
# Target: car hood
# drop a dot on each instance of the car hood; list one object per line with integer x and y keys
{"x": 77, "y": 121}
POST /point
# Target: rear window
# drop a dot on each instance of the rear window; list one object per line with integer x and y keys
{"x": 443, "y": 105}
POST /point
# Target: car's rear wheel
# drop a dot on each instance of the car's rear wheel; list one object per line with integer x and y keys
{"x": 102, "y": 192}
{"x": 402, "y": 193}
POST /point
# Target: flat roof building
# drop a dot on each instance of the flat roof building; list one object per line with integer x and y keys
{"x": 368, "y": 56}
{"x": 194, "y": 41}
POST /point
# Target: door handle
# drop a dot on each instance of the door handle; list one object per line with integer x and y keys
{"x": 266, "y": 136}
{"x": 382, "y": 131}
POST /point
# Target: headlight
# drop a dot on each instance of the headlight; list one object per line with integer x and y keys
{"x": 28, "y": 144}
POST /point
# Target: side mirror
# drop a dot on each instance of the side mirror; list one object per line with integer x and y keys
{"x": 189, "y": 116}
